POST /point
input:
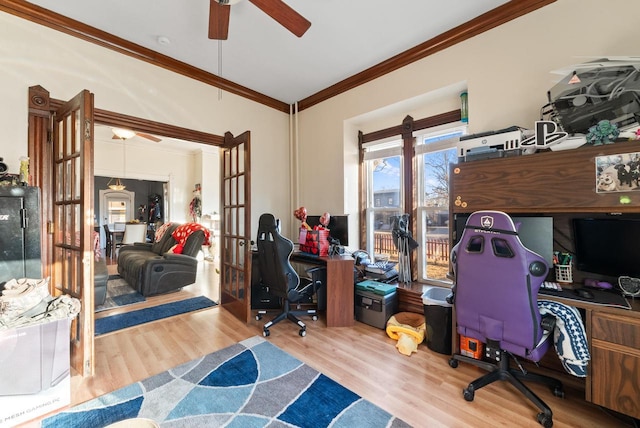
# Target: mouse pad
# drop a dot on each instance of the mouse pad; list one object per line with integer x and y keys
{"x": 600, "y": 297}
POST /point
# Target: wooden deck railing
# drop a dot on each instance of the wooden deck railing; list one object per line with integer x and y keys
{"x": 437, "y": 250}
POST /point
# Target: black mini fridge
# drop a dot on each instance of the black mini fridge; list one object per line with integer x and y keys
{"x": 19, "y": 233}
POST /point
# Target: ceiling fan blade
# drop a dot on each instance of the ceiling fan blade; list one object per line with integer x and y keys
{"x": 284, "y": 14}
{"x": 148, "y": 137}
{"x": 218, "y": 20}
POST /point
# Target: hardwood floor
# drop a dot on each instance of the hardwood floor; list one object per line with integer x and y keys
{"x": 422, "y": 389}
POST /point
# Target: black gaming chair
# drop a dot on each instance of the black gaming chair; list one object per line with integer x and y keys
{"x": 279, "y": 277}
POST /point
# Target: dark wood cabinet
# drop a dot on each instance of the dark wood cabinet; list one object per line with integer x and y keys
{"x": 549, "y": 182}
{"x": 615, "y": 363}
{"x": 563, "y": 184}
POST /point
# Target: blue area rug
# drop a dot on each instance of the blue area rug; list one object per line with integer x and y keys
{"x": 129, "y": 319}
{"x": 250, "y": 384}
{"x": 119, "y": 293}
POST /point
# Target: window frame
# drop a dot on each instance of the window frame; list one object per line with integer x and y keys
{"x": 447, "y": 137}
{"x": 373, "y": 151}
{"x": 406, "y": 129}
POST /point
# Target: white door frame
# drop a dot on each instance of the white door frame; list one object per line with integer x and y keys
{"x": 119, "y": 195}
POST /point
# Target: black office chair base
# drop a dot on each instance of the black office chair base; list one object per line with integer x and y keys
{"x": 502, "y": 371}
{"x": 292, "y": 316}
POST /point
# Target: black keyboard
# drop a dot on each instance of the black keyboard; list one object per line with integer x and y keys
{"x": 299, "y": 255}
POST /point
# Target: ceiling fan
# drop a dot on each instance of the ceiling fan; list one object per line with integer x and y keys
{"x": 125, "y": 134}
{"x": 287, "y": 17}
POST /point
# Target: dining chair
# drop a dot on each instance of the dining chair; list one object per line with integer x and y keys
{"x": 134, "y": 233}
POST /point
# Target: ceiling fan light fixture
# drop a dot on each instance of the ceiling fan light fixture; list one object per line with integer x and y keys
{"x": 123, "y": 134}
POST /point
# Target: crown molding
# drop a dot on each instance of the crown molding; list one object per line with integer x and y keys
{"x": 494, "y": 18}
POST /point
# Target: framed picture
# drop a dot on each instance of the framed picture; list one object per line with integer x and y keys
{"x": 618, "y": 173}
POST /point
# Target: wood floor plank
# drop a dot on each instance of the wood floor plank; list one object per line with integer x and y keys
{"x": 421, "y": 389}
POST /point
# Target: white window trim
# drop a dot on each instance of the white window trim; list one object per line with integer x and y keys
{"x": 422, "y": 210}
{"x": 380, "y": 149}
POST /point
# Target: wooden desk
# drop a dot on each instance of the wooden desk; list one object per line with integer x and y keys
{"x": 614, "y": 344}
{"x": 562, "y": 184}
{"x": 340, "y": 288}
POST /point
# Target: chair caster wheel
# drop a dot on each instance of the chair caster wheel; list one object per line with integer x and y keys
{"x": 453, "y": 363}
{"x": 315, "y": 318}
{"x": 545, "y": 420}
{"x": 302, "y": 332}
{"x": 558, "y": 392}
{"x": 468, "y": 394}
{"x": 266, "y": 333}
{"x": 258, "y": 317}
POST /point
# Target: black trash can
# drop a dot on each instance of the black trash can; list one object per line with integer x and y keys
{"x": 437, "y": 313}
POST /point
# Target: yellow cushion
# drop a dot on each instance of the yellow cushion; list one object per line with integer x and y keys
{"x": 407, "y": 323}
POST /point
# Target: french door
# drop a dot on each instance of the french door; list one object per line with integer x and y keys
{"x": 72, "y": 202}
{"x": 236, "y": 225}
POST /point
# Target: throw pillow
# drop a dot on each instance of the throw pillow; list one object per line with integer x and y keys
{"x": 161, "y": 230}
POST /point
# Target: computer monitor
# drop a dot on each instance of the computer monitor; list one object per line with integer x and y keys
{"x": 535, "y": 233}
{"x": 338, "y": 227}
{"x": 607, "y": 246}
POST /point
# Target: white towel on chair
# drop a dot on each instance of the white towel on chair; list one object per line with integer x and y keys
{"x": 569, "y": 336}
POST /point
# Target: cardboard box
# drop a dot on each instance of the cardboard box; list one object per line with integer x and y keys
{"x": 35, "y": 376}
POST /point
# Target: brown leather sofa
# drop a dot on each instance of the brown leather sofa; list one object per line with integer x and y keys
{"x": 151, "y": 269}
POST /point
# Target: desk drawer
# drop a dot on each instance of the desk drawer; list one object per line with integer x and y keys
{"x": 615, "y": 329}
{"x": 615, "y": 362}
{"x": 614, "y": 379}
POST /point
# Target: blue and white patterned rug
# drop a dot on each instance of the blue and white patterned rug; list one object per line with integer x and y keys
{"x": 119, "y": 293}
{"x": 250, "y": 384}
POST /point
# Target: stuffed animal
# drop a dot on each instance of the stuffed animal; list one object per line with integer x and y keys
{"x": 604, "y": 132}
{"x": 408, "y": 328}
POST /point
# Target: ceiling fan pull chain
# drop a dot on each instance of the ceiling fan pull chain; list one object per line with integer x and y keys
{"x": 219, "y": 67}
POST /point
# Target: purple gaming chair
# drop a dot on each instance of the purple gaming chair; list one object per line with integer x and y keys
{"x": 495, "y": 296}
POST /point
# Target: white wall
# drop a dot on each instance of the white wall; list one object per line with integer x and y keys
{"x": 182, "y": 169}
{"x": 31, "y": 54}
{"x": 506, "y": 71}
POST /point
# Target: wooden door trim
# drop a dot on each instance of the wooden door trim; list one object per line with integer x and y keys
{"x": 138, "y": 124}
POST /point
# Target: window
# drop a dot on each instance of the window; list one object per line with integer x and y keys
{"x": 383, "y": 169}
{"x": 406, "y": 171}
{"x": 436, "y": 150}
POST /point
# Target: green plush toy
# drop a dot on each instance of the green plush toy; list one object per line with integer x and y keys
{"x": 604, "y": 132}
